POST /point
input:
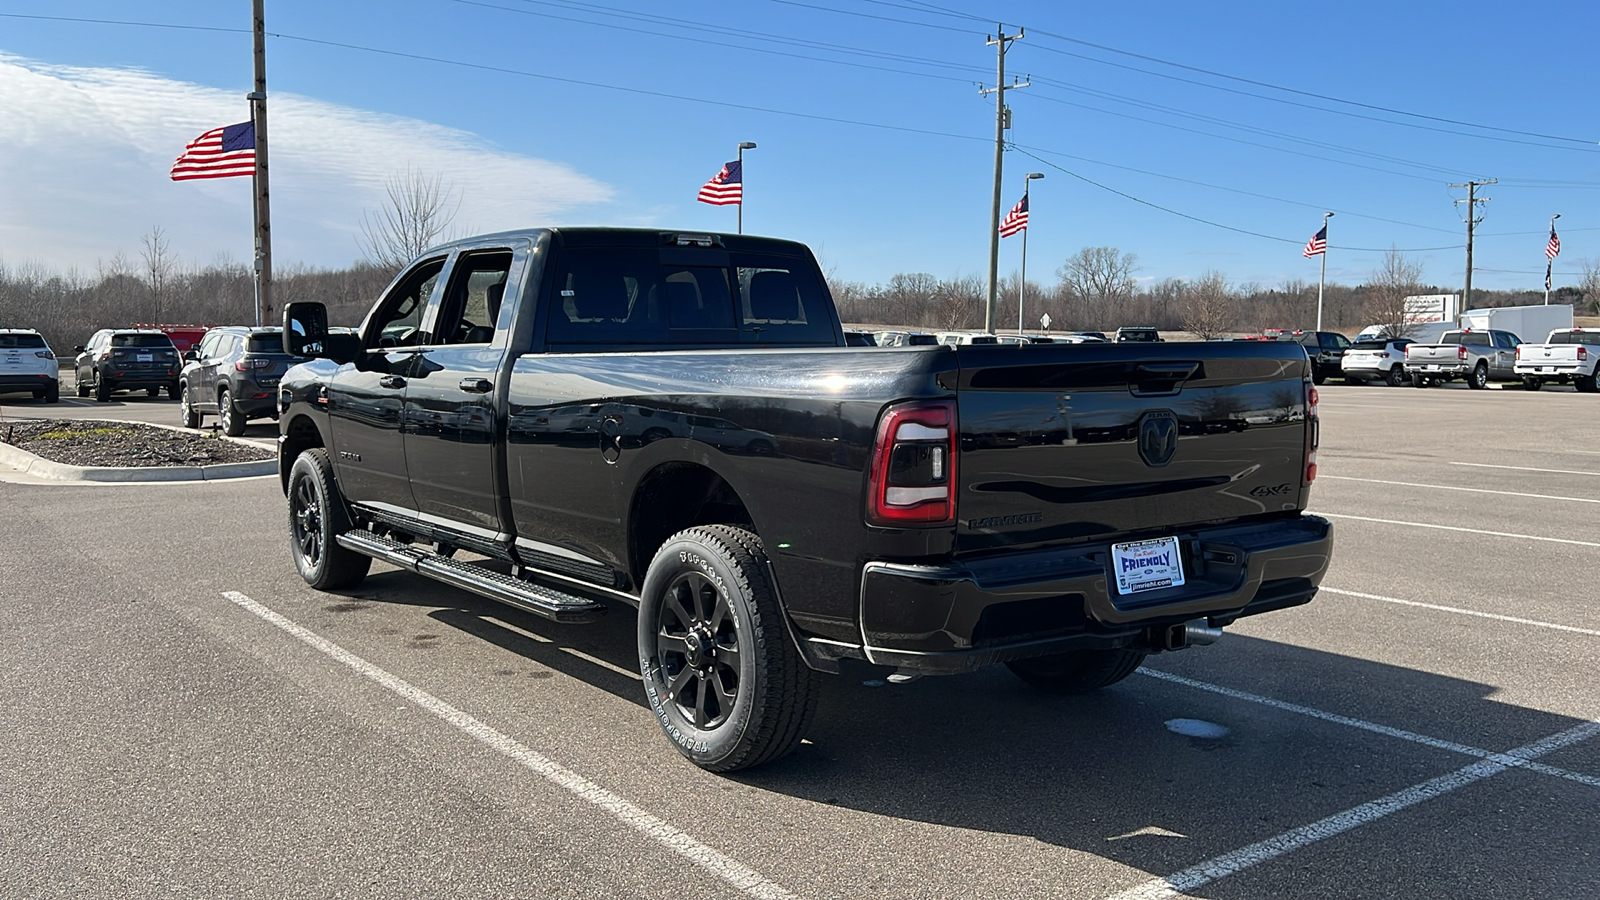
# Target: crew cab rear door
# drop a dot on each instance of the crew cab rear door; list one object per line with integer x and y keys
{"x": 1084, "y": 442}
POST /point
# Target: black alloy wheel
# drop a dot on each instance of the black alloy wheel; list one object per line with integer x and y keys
{"x": 725, "y": 681}
{"x": 1397, "y": 376}
{"x": 316, "y": 518}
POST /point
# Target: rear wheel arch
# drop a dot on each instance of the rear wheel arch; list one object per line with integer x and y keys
{"x": 674, "y": 496}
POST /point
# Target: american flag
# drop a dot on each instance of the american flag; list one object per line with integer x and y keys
{"x": 726, "y": 187}
{"x": 219, "y": 153}
{"x": 1552, "y": 249}
{"x": 1318, "y": 245}
{"x": 1016, "y": 220}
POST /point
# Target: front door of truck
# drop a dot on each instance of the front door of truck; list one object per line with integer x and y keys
{"x": 451, "y": 392}
{"x": 366, "y": 398}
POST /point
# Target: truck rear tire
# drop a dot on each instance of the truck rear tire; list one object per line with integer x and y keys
{"x": 1420, "y": 381}
{"x": 1530, "y": 383}
{"x": 722, "y": 676}
{"x": 316, "y": 517}
{"x": 1479, "y": 379}
{"x": 1587, "y": 384}
{"x": 1079, "y": 671}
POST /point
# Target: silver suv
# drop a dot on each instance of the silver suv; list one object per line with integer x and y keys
{"x": 27, "y": 364}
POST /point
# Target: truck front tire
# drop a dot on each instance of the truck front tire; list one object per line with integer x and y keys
{"x": 1079, "y": 671}
{"x": 722, "y": 676}
{"x": 316, "y": 517}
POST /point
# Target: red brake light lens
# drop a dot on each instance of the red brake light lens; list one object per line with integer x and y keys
{"x": 1314, "y": 424}
{"x": 913, "y": 475}
{"x": 1461, "y": 351}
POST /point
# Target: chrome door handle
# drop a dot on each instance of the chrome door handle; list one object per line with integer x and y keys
{"x": 392, "y": 381}
{"x": 476, "y": 385}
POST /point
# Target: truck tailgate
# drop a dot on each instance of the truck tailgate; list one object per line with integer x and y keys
{"x": 1064, "y": 443}
{"x": 1433, "y": 354}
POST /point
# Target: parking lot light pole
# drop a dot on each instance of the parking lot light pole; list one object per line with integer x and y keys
{"x": 1022, "y": 288}
{"x": 743, "y": 146}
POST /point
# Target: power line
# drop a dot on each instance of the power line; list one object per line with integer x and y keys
{"x": 1213, "y": 224}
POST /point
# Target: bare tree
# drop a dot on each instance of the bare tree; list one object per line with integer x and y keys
{"x": 421, "y": 207}
{"x": 1207, "y": 307}
{"x": 1589, "y": 283}
{"x": 158, "y": 263}
{"x": 1102, "y": 280}
{"x": 1396, "y": 279}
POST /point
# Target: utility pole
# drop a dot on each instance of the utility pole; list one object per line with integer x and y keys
{"x": 258, "y": 116}
{"x": 1472, "y": 219}
{"x": 1001, "y": 114}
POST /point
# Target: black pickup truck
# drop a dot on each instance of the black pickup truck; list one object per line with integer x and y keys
{"x": 571, "y": 420}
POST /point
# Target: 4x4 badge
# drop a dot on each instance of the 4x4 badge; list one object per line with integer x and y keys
{"x": 1158, "y": 437}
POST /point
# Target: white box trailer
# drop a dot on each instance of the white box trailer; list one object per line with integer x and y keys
{"x": 1421, "y": 332}
{"x": 1530, "y": 323}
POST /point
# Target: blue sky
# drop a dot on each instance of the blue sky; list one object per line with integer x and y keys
{"x": 874, "y": 145}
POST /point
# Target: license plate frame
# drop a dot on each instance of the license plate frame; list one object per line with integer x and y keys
{"x": 144, "y": 357}
{"x": 1147, "y": 565}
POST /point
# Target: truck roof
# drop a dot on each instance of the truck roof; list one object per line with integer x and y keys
{"x": 593, "y": 236}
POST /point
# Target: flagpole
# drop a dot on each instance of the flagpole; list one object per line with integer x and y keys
{"x": 743, "y": 146}
{"x": 263, "y": 218}
{"x": 1322, "y": 280}
{"x": 1022, "y": 289}
{"x": 1549, "y": 260}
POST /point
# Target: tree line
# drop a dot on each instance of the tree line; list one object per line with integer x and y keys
{"x": 1096, "y": 290}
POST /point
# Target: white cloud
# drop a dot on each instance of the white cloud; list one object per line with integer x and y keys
{"x": 84, "y": 156}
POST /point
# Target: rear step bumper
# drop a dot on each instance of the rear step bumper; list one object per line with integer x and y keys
{"x": 508, "y": 589}
{"x": 961, "y": 616}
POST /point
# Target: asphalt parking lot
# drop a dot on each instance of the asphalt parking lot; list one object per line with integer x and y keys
{"x": 184, "y": 717}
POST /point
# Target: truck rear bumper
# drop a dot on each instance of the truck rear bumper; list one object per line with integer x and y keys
{"x": 1452, "y": 369}
{"x": 957, "y": 617}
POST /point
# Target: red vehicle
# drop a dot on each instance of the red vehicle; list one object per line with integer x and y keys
{"x": 183, "y": 337}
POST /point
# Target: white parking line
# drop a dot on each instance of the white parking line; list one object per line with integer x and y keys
{"x": 714, "y": 861}
{"x": 1525, "y": 468}
{"x": 1465, "y": 612}
{"x": 1448, "y": 487}
{"x": 1204, "y": 873}
{"x": 1526, "y": 537}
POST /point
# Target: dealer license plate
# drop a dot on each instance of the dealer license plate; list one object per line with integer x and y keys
{"x": 1147, "y": 565}
{"x": 1430, "y": 368}
{"x": 143, "y": 357}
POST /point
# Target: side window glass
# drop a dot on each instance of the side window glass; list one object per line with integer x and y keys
{"x": 398, "y": 322}
{"x": 607, "y": 297}
{"x": 472, "y": 305}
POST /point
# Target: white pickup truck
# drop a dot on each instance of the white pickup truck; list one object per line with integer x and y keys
{"x": 1568, "y": 355}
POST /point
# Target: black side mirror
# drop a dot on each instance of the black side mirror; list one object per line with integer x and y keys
{"x": 305, "y": 329}
{"x": 78, "y": 349}
{"x": 191, "y": 355}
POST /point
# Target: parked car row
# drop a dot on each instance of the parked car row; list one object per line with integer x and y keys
{"x": 856, "y": 338}
{"x": 1476, "y": 356}
{"x": 229, "y": 371}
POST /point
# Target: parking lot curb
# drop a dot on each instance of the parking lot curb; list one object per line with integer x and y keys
{"x": 39, "y": 467}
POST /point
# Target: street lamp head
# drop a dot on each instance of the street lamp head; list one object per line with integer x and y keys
{"x": 1327, "y": 215}
{"x": 1033, "y": 175}
{"x": 747, "y": 145}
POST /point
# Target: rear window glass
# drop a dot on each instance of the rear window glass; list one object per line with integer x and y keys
{"x": 1470, "y": 339}
{"x": 265, "y": 343}
{"x": 141, "y": 340}
{"x": 1564, "y": 337}
{"x": 921, "y": 340}
{"x": 22, "y": 340}
{"x": 1369, "y": 345}
{"x": 613, "y": 296}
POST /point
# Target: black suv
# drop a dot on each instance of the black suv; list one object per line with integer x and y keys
{"x": 117, "y": 359}
{"x": 233, "y": 374}
{"x": 1326, "y": 350}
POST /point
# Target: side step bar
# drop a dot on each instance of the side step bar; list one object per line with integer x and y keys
{"x": 512, "y": 591}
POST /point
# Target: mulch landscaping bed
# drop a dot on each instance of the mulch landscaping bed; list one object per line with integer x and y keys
{"x": 80, "y": 443}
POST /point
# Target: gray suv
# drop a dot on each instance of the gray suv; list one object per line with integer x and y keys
{"x": 233, "y": 374}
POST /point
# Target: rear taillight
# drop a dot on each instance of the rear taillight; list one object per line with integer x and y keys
{"x": 1315, "y": 437}
{"x": 1384, "y": 354}
{"x": 245, "y": 365}
{"x": 913, "y": 476}
{"x": 1583, "y": 352}
{"x": 44, "y": 354}
{"x": 1408, "y": 351}
{"x": 1461, "y": 351}
{"x": 1519, "y": 352}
